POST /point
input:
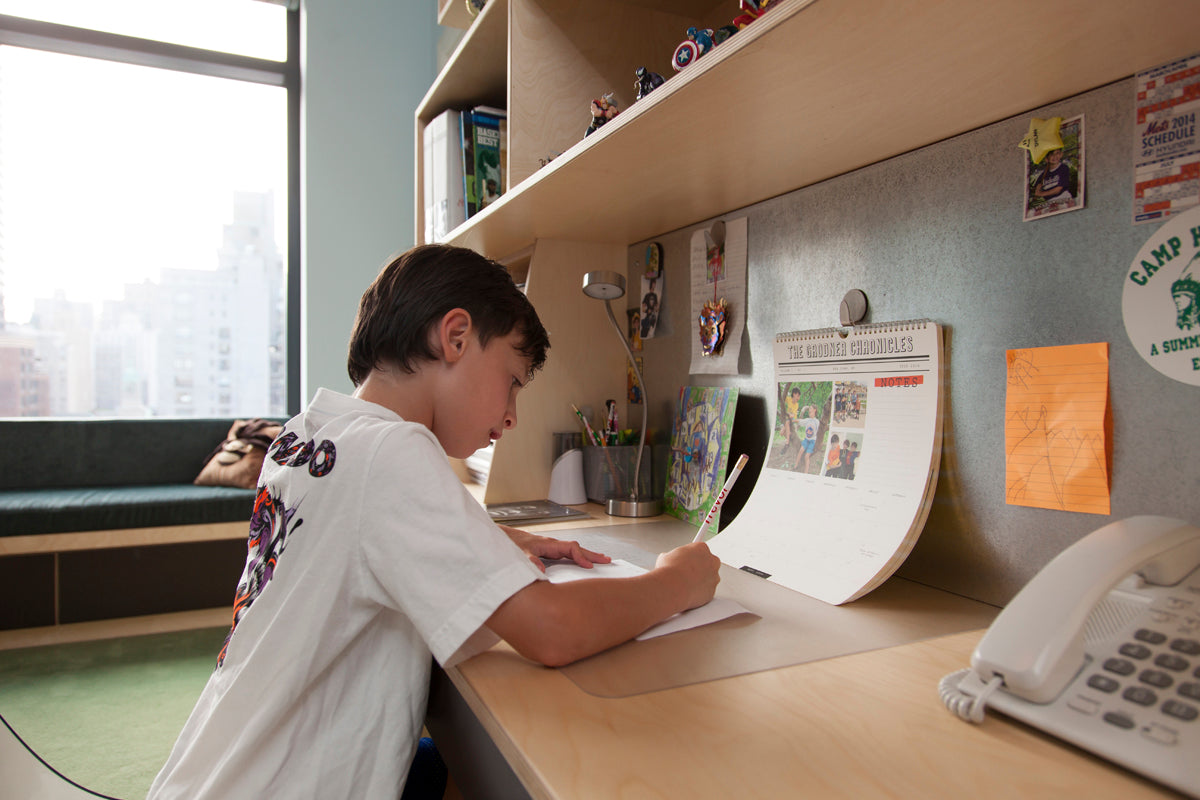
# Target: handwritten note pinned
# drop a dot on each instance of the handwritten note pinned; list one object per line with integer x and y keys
{"x": 1054, "y": 429}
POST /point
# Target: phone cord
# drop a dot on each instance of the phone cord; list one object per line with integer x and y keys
{"x": 967, "y": 706}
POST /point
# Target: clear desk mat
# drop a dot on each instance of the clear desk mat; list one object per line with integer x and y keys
{"x": 784, "y": 627}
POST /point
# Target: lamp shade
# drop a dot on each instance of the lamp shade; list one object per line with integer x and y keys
{"x": 604, "y": 284}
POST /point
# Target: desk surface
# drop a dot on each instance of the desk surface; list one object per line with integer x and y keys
{"x": 863, "y": 725}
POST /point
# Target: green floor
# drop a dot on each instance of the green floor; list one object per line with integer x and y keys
{"x": 105, "y": 714}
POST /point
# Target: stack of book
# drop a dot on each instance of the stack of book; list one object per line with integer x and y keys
{"x": 465, "y": 154}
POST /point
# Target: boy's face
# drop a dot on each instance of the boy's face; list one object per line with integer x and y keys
{"x": 483, "y": 401}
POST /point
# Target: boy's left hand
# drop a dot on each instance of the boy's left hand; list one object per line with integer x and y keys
{"x": 539, "y": 547}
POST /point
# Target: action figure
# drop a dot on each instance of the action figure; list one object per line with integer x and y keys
{"x": 646, "y": 82}
{"x": 603, "y": 109}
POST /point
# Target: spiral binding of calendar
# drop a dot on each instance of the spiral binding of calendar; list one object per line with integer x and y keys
{"x": 817, "y": 333}
{"x": 858, "y": 330}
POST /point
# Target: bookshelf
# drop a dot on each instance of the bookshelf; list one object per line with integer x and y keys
{"x": 812, "y": 90}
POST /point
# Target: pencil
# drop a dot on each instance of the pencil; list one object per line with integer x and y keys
{"x": 716, "y": 506}
{"x": 590, "y": 433}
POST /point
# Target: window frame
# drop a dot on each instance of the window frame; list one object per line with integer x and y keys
{"x": 68, "y": 40}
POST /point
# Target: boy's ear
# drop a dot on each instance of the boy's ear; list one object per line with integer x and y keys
{"x": 453, "y": 333}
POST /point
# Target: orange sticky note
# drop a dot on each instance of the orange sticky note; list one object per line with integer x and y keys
{"x": 1056, "y": 447}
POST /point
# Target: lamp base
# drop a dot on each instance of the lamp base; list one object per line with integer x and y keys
{"x": 618, "y": 507}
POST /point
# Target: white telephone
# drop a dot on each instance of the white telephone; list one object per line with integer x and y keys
{"x": 1102, "y": 648}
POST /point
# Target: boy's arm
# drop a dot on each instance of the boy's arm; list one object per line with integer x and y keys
{"x": 557, "y": 623}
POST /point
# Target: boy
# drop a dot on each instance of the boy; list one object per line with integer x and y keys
{"x": 809, "y": 424}
{"x": 791, "y": 417}
{"x": 851, "y": 457}
{"x": 367, "y": 555}
{"x": 833, "y": 457}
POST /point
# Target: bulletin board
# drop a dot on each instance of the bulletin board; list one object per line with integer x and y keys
{"x": 939, "y": 233}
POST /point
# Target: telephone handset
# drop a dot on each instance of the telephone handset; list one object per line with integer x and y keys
{"x": 1102, "y": 648}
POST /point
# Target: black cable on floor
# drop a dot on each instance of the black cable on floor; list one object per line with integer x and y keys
{"x": 17, "y": 736}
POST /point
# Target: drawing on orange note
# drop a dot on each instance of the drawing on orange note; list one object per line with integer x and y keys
{"x": 1056, "y": 447}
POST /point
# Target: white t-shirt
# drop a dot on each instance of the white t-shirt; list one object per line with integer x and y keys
{"x": 367, "y": 559}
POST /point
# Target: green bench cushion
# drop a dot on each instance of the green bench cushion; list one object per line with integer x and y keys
{"x": 38, "y": 511}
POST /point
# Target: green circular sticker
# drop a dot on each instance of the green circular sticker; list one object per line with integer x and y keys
{"x": 1161, "y": 303}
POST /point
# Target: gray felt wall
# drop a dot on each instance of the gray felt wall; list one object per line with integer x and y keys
{"x": 938, "y": 233}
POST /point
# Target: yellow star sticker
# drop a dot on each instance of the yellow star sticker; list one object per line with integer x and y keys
{"x": 1042, "y": 138}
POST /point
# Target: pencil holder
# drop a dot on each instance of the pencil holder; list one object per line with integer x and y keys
{"x": 608, "y": 471}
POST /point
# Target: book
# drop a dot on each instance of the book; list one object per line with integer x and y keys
{"x": 488, "y": 176}
{"x": 428, "y": 204}
{"x": 503, "y": 154}
{"x": 466, "y": 131}
{"x": 699, "y": 452}
{"x": 444, "y": 204}
{"x": 532, "y": 511}
{"x": 853, "y": 462}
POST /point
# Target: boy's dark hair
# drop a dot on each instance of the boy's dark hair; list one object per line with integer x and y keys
{"x": 418, "y": 288}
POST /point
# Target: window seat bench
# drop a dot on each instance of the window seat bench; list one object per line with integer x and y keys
{"x": 99, "y": 519}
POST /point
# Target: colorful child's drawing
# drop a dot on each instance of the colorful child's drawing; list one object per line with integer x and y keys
{"x": 699, "y": 451}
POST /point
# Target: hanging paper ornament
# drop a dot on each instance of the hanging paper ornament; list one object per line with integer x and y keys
{"x": 714, "y": 318}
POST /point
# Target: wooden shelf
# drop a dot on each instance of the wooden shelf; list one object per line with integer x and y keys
{"x": 814, "y": 89}
{"x": 477, "y": 71}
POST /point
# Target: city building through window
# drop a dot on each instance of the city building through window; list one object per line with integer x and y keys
{"x": 147, "y": 163}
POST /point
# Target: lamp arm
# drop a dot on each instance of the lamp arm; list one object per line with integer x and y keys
{"x": 637, "y": 469}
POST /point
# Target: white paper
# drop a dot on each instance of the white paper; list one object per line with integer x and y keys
{"x": 731, "y": 287}
{"x": 565, "y": 571}
{"x": 713, "y": 611}
{"x": 827, "y": 532}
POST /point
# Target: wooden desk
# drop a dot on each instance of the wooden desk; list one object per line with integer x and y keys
{"x": 864, "y": 725}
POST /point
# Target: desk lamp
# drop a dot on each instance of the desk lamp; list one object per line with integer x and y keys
{"x": 605, "y": 285}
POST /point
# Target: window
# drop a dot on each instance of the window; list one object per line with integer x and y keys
{"x": 148, "y": 212}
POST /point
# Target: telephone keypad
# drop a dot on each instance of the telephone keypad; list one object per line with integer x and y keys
{"x": 1119, "y": 719}
{"x": 1156, "y": 678}
{"x": 1150, "y": 687}
{"x": 1140, "y": 695}
{"x": 1172, "y": 662}
{"x": 1149, "y": 636}
{"x": 1120, "y": 666}
{"x": 1138, "y": 651}
{"x": 1189, "y": 647}
{"x": 1179, "y": 710}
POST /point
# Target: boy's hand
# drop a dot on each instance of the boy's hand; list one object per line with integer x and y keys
{"x": 558, "y": 623}
{"x": 697, "y": 569}
{"x": 539, "y": 547}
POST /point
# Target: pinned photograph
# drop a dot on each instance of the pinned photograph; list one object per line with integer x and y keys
{"x": 1054, "y": 181}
